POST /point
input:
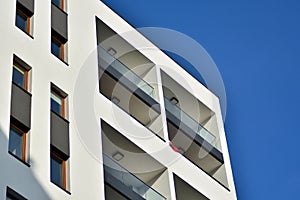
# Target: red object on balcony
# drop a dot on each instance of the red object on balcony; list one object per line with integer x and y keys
{"x": 173, "y": 147}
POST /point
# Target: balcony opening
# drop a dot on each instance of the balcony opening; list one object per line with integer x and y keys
{"x": 129, "y": 172}
{"x": 192, "y": 128}
{"x": 128, "y": 78}
{"x": 185, "y": 191}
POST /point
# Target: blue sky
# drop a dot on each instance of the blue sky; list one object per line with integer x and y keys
{"x": 256, "y": 46}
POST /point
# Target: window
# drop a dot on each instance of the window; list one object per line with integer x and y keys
{"x": 59, "y": 3}
{"x": 58, "y": 170}
{"x": 24, "y": 13}
{"x": 20, "y": 76}
{"x": 59, "y": 138}
{"x": 20, "y": 113}
{"x": 58, "y": 103}
{"x": 59, "y": 30}
{"x": 17, "y": 143}
{"x": 13, "y": 195}
{"x": 57, "y": 48}
{"x": 23, "y": 21}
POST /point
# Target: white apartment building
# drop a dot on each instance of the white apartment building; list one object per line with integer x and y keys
{"x": 91, "y": 109}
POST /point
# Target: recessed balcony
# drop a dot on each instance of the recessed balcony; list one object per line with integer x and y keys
{"x": 128, "y": 79}
{"x": 124, "y": 178}
{"x": 193, "y": 130}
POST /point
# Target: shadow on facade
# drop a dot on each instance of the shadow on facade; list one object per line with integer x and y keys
{"x": 17, "y": 176}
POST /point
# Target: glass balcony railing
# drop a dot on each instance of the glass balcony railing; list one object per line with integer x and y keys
{"x": 190, "y": 122}
{"x": 133, "y": 183}
{"x": 124, "y": 70}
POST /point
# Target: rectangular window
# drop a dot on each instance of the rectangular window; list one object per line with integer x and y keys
{"x": 59, "y": 138}
{"x": 17, "y": 143}
{"x": 59, "y": 3}
{"x": 20, "y": 76}
{"x": 20, "y": 119}
{"x": 23, "y": 21}
{"x": 24, "y": 13}
{"x": 59, "y": 30}
{"x": 13, "y": 195}
{"x": 58, "y": 170}
{"x": 58, "y": 103}
{"x": 57, "y": 48}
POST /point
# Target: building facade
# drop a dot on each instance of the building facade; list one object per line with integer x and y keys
{"x": 91, "y": 109}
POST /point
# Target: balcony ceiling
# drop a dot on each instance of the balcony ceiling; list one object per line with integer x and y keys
{"x": 125, "y": 52}
{"x": 148, "y": 168}
{"x": 187, "y": 102}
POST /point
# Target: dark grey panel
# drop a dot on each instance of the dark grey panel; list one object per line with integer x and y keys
{"x": 21, "y": 107}
{"x": 59, "y": 23}
{"x": 60, "y": 134}
{"x": 28, "y": 5}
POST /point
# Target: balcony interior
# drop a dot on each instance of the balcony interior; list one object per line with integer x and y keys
{"x": 148, "y": 178}
{"x": 190, "y": 105}
{"x": 192, "y": 128}
{"x": 185, "y": 191}
{"x": 128, "y": 78}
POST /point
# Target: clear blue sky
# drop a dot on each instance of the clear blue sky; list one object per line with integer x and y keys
{"x": 256, "y": 46}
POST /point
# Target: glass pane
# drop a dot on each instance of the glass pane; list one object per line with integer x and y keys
{"x": 56, "y": 170}
{"x": 18, "y": 77}
{"x": 190, "y": 122}
{"x": 21, "y": 21}
{"x": 125, "y": 71}
{"x": 56, "y": 48}
{"x": 8, "y": 198}
{"x": 15, "y": 142}
{"x": 120, "y": 174}
{"x": 57, "y": 3}
{"x": 56, "y": 104}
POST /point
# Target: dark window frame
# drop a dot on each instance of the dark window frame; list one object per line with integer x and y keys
{"x": 10, "y": 193}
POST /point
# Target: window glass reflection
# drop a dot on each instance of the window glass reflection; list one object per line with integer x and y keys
{"x": 56, "y": 170}
{"x": 56, "y": 103}
{"x": 21, "y": 21}
{"x": 57, "y": 3}
{"x": 56, "y": 48}
{"x": 18, "y": 77}
{"x": 15, "y": 142}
